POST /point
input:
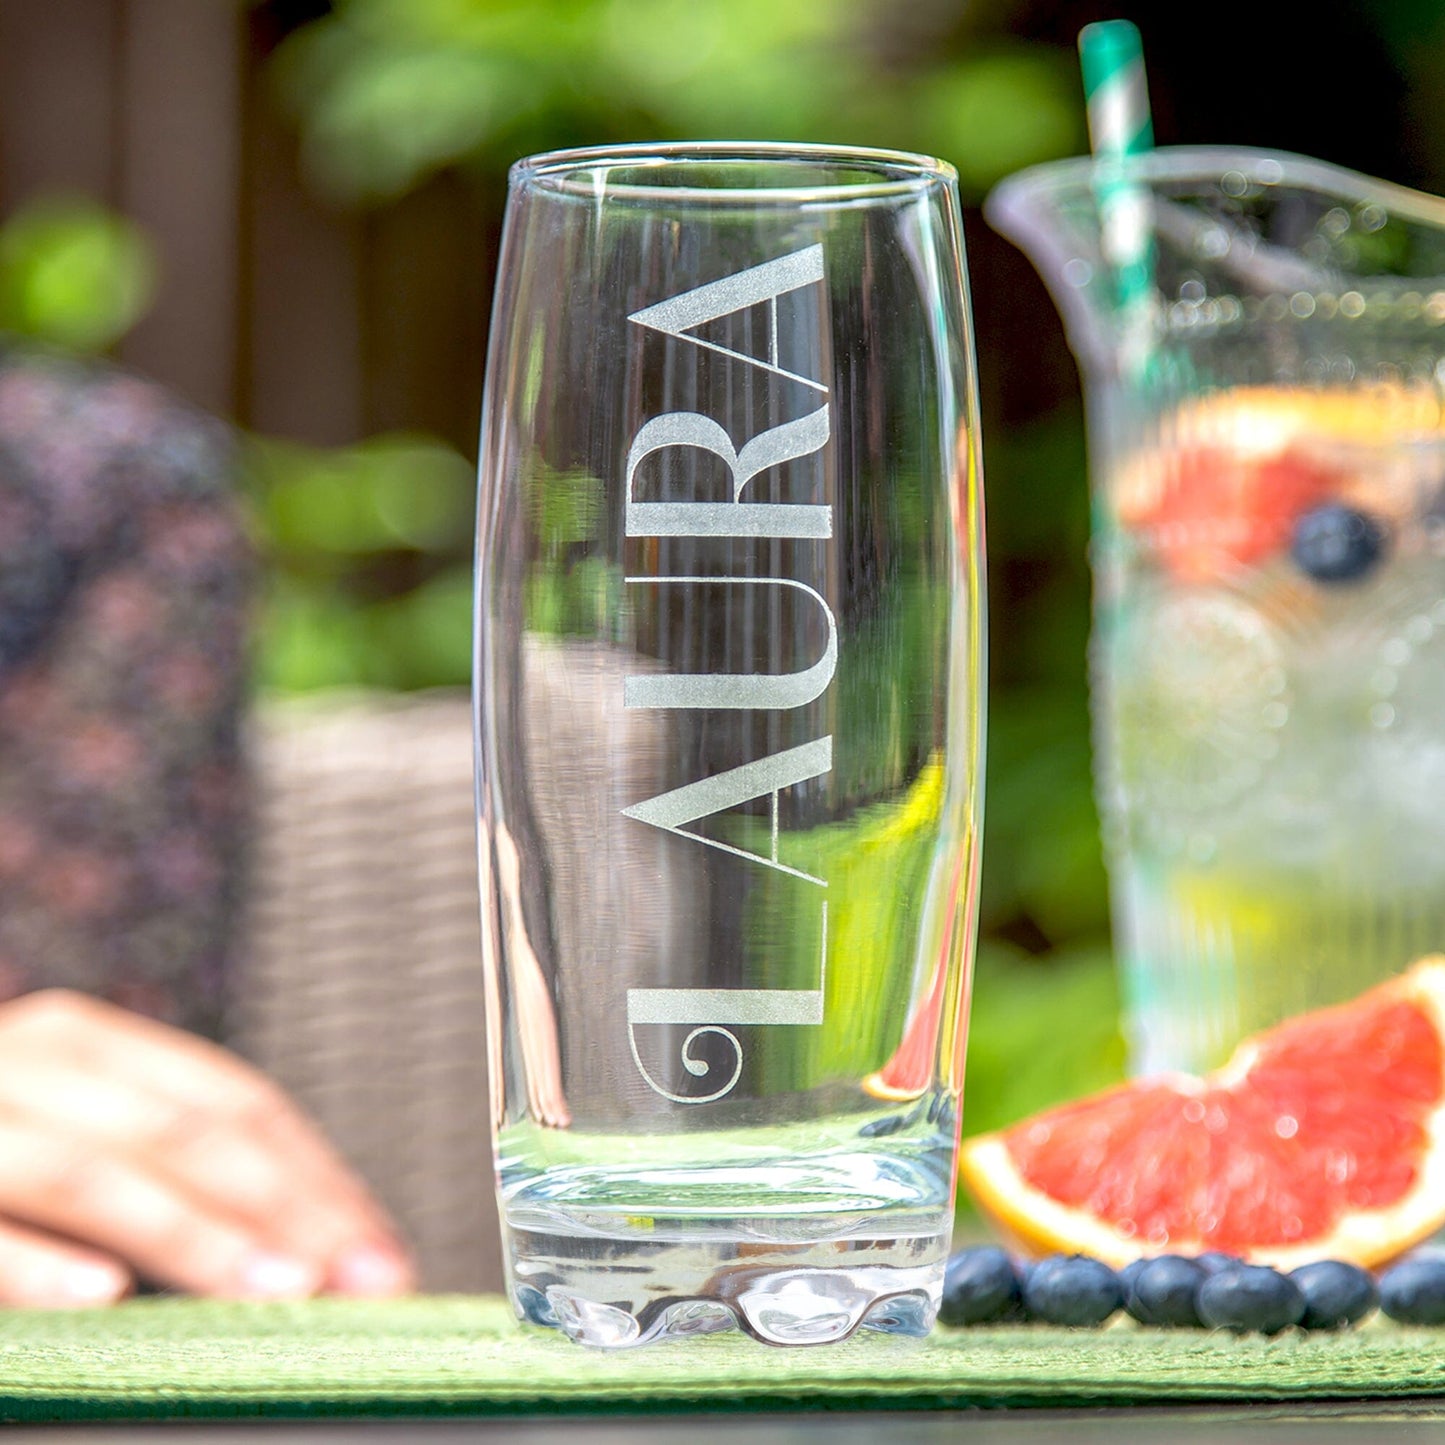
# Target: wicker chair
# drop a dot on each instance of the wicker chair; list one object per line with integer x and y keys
{"x": 363, "y": 993}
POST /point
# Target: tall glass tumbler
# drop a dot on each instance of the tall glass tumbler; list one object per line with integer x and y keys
{"x": 729, "y": 689}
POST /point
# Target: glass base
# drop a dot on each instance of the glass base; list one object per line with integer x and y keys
{"x": 616, "y": 1291}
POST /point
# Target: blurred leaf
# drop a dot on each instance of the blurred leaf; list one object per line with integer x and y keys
{"x": 344, "y": 526}
{"x": 314, "y": 636}
{"x": 750, "y": 68}
{"x": 389, "y": 119}
{"x": 388, "y": 92}
{"x": 587, "y": 599}
{"x": 1041, "y": 1031}
{"x": 1038, "y": 488}
{"x": 993, "y": 114}
{"x": 544, "y": 602}
{"x": 523, "y": 27}
{"x": 1383, "y": 252}
{"x": 310, "y": 638}
{"x": 311, "y": 500}
{"x": 73, "y": 273}
{"x": 1051, "y": 632}
{"x": 1042, "y": 860}
{"x": 388, "y": 492}
{"x": 565, "y": 506}
{"x": 424, "y": 638}
{"x": 424, "y": 493}
{"x": 1060, "y": 874}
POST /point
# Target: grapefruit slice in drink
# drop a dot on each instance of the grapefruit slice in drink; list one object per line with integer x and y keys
{"x": 1236, "y": 469}
{"x": 908, "y": 1073}
{"x": 1321, "y": 1138}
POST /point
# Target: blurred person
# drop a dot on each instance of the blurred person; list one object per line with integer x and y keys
{"x": 131, "y": 1146}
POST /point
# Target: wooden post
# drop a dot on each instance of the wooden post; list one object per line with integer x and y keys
{"x": 178, "y": 145}
{"x": 58, "y": 99}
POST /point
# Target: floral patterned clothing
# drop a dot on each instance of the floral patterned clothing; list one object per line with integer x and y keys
{"x": 124, "y": 572}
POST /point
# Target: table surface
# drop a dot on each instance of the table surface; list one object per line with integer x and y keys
{"x": 459, "y": 1359}
{"x": 1333, "y": 1424}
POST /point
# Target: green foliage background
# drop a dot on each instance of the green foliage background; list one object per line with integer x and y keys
{"x": 369, "y": 545}
{"x": 388, "y": 92}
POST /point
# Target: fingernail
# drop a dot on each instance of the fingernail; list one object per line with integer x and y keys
{"x": 92, "y": 1284}
{"x": 371, "y": 1271}
{"x": 275, "y": 1276}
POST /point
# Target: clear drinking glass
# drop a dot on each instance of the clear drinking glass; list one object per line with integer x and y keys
{"x": 729, "y": 689}
{"x": 1262, "y": 339}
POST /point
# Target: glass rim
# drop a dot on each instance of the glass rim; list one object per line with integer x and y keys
{"x": 573, "y": 171}
{"x": 1274, "y": 170}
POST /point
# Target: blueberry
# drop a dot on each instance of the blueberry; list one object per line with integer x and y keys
{"x": 1072, "y": 1289}
{"x": 881, "y": 1128}
{"x": 1024, "y": 1268}
{"x": 979, "y": 1286}
{"x": 1164, "y": 1291}
{"x": 1414, "y": 1291}
{"x": 534, "y": 1306}
{"x": 1130, "y": 1273}
{"x": 892, "y": 1123}
{"x": 1336, "y": 1294}
{"x": 1214, "y": 1260}
{"x": 1336, "y": 543}
{"x": 1250, "y": 1297}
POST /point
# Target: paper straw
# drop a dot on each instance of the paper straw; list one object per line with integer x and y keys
{"x": 1112, "y": 58}
{"x": 1117, "y": 94}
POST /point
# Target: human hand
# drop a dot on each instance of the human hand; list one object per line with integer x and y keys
{"x": 129, "y": 1148}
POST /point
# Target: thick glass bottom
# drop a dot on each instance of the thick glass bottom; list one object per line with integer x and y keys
{"x": 654, "y": 1280}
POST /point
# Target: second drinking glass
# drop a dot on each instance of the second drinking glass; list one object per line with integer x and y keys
{"x": 729, "y": 686}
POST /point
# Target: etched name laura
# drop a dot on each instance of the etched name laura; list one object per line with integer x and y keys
{"x": 717, "y": 1011}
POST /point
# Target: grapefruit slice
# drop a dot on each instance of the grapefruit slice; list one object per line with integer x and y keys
{"x": 1214, "y": 509}
{"x": 1321, "y": 1138}
{"x": 910, "y": 1071}
{"x": 1236, "y": 468}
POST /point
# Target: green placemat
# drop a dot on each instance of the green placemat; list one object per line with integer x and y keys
{"x": 464, "y": 1355}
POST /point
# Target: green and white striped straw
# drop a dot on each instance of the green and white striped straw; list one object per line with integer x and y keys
{"x": 1112, "y": 57}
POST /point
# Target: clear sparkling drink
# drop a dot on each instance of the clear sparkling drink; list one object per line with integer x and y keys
{"x": 1270, "y": 670}
{"x": 729, "y": 690}
{"x": 1262, "y": 342}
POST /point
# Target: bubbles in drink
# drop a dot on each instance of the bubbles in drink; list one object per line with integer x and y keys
{"x": 1271, "y": 686}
